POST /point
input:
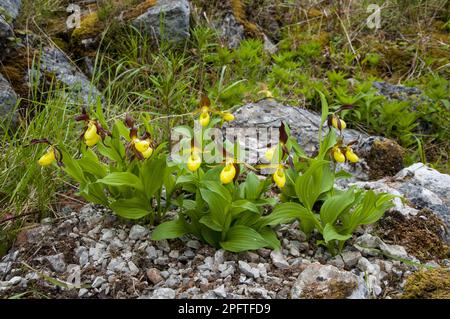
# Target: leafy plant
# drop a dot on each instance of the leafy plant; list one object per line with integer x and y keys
{"x": 311, "y": 197}
{"x": 130, "y": 174}
{"x": 340, "y": 212}
{"x": 227, "y": 216}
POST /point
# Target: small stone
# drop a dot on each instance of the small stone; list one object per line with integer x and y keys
{"x": 247, "y": 270}
{"x": 189, "y": 254}
{"x": 162, "y": 261}
{"x": 151, "y": 252}
{"x": 163, "y": 245}
{"x": 154, "y": 275}
{"x": 262, "y": 270}
{"x": 98, "y": 252}
{"x": 351, "y": 258}
{"x": 173, "y": 281}
{"x": 264, "y": 252}
{"x": 108, "y": 235}
{"x": 278, "y": 260}
{"x": 134, "y": 270}
{"x": 395, "y": 251}
{"x": 57, "y": 262}
{"x": 47, "y": 220}
{"x": 194, "y": 244}
{"x": 163, "y": 293}
{"x": 208, "y": 264}
{"x": 15, "y": 280}
{"x": 138, "y": 232}
{"x": 226, "y": 269}
{"x": 98, "y": 281}
{"x": 121, "y": 234}
{"x": 219, "y": 257}
{"x": 366, "y": 266}
{"x": 259, "y": 292}
{"x": 251, "y": 257}
{"x": 82, "y": 292}
{"x": 337, "y": 261}
{"x": 220, "y": 291}
{"x": 174, "y": 254}
{"x": 4, "y": 268}
{"x": 117, "y": 265}
{"x": 116, "y": 244}
{"x": 82, "y": 254}
{"x": 93, "y": 232}
{"x": 294, "y": 251}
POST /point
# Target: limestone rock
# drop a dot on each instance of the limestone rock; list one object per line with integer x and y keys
{"x": 9, "y": 9}
{"x": 79, "y": 89}
{"x": 328, "y": 282}
{"x": 175, "y": 20}
{"x": 422, "y": 186}
{"x": 230, "y": 30}
{"x": 8, "y": 100}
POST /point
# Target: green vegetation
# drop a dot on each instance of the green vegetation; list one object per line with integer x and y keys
{"x": 159, "y": 85}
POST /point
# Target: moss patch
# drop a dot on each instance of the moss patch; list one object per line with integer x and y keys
{"x": 428, "y": 284}
{"x": 90, "y": 26}
{"x": 421, "y": 235}
{"x": 335, "y": 290}
{"x": 15, "y": 68}
{"x": 385, "y": 158}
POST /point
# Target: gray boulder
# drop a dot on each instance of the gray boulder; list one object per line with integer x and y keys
{"x": 167, "y": 19}
{"x": 8, "y": 101}
{"x": 78, "y": 87}
{"x": 9, "y": 9}
{"x": 328, "y": 282}
{"x": 422, "y": 186}
{"x": 231, "y": 31}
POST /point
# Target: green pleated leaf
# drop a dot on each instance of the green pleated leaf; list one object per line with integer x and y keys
{"x": 243, "y": 238}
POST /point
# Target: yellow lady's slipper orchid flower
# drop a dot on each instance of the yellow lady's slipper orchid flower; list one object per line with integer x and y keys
{"x": 334, "y": 122}
{"x": 228, "y": 173}
{"x": 194, "y": 162}
{"x": 91, "y": 136}
{"x": 227, "y": 116}
{"x": 204, "y": 119}
{"x": 269, "y": 153}
{"x": 92, "y": 141}
{"x": 279, "y": 177}
{"x": 204, "y": 109}
{"x": 90, "y": 132}
{"x": 48, "y": 158}
{"x": 147, "y": 153}
{"x": 351, "y": 156}
{"x": 141, "y": 145}
{"x": 337, "y": 155}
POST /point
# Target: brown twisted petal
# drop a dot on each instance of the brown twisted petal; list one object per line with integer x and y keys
{"x": 39, "y": 141}
{"x": 133, "y": 132}
{"x": 330, "y": 120}
{"x": 283, "y": 133}
{"x": 102, "y": 132}
{"x": 205, "y": 101}
{"x": 238, "y": 169}
{"x": 129, "y": 121}
{"x": 82, "y": 117}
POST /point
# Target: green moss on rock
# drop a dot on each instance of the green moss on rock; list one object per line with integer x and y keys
{"x": 428, "y": 284}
